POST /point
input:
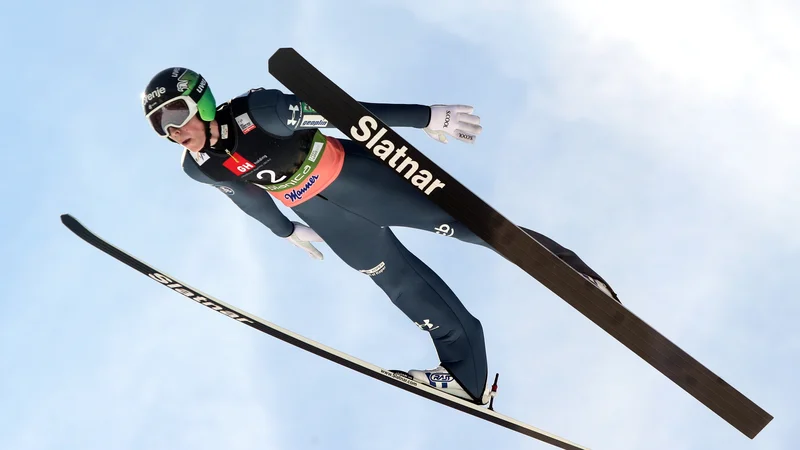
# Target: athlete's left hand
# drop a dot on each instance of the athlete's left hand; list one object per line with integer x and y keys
{"x": 302, "y": 237}
{"x": 454, "y": 120}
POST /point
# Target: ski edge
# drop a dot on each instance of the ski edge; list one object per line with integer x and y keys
{"x": 310, "y": 345}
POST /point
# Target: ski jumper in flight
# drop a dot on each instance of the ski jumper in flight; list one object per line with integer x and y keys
{"x": 265, "y": 146}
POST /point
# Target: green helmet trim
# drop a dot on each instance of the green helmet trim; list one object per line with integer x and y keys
{"x": 207, "y": 106}
{"x": 196, "y": 87}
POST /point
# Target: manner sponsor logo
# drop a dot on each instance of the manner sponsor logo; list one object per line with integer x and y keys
{"x": 297, "y": 194}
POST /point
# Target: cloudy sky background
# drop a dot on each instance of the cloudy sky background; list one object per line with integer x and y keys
{"x": 659, "y": 141}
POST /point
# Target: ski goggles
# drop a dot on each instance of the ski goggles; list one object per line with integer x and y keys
{"x": 176, "y": 112}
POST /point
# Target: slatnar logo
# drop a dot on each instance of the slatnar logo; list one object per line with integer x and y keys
{"x": 181, "y": 289}
{"x": 420, "y": 178}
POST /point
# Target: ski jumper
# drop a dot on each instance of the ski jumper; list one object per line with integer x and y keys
{"x": 271, "y": 149}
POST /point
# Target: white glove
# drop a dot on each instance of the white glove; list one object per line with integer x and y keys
{"x": 302, "y": 236}
{"x": 455, "y": 120}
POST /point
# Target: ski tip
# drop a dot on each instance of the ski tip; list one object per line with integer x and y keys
{"x": 71, "y": 223}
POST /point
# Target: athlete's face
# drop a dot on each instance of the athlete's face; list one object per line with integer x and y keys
{"x": 192, "y": 135}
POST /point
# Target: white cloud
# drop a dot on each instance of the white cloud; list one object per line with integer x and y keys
{"x": 713, "y": 48}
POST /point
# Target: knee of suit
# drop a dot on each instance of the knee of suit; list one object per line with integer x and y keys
{"x": 397, "y": 282}
{"x": 448, "y": 332}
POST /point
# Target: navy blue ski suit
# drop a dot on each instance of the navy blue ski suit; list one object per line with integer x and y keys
{"x": 354, "y": 213}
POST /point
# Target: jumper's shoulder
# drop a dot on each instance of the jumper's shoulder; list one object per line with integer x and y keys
{"x": 272, "y": 110}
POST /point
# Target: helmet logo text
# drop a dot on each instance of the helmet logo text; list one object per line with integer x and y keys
{"x": 150, "y": 96}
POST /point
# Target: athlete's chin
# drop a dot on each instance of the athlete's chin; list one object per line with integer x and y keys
{"x": 193, "y": 144}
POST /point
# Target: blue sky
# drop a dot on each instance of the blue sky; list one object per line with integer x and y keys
{"x": 658, "y": 141}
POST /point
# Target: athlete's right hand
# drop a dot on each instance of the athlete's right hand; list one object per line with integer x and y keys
{"x": 453, "y": 120}
{"x": 302, "y": 236}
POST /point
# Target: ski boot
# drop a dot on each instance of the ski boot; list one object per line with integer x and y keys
{"x": 441, "y": 379}
{"x": 603, "y": 287}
